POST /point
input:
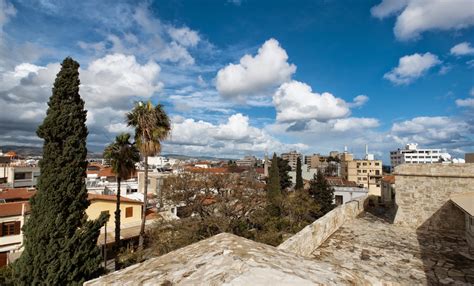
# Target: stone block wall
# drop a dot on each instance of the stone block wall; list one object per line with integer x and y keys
{"x": 423, "y": 194}
{"x": 313, "y": 235}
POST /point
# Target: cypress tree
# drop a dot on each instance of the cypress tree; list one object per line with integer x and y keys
{"x": 273, "y": 186}
{"x": 283, "y": 169}
{"x": 299, "y": 177}
{"x": 60, "y": 246}
{"x": 322, "y": 193}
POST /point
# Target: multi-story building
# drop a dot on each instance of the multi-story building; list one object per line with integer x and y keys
{"x": 292, "y": 157}
{"x": 247, "y": 161}
{"x": 413, "y": 155}
{"x": 315, "y": 161}
{"x": 366, "y": 172}
{"x": 18, "y": 176}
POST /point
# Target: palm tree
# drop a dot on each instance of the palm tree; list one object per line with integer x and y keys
{"x": 122, "y": 155}
{"x": 152, "y": 126}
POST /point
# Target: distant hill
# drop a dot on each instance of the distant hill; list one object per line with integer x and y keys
{"x": 29, "y": 151}
{"x": 23, "y": 151}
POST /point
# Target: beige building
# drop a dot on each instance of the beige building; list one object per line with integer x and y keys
{"x": 130, "y": 210}
{"x": 292, "y": 157}
{"x": 469, "y": 157}
{"x": 315, "y": 161}
{"x": 366, "y": 173}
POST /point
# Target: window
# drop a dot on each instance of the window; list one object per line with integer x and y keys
{"x": 20, "y": 176}
{"x": 129, "y": 212}
{"x": 10, "y": 228}
{"x": 377, "y": 164}
{"x": 364, "y": 164}
{"x": 377, "y": 172}
{"x": 339, "y": 200}
{"x": 105, "y": 212}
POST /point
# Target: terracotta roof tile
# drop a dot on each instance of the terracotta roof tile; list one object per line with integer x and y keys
{"x": 13, "y": 209}
{"x": 20, "y": 194}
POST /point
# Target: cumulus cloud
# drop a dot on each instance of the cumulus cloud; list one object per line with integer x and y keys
{"x": 234, "y": 137}
{"x": 115, "y": 79}
{"x": 417, "y": 16}
{"x": 411, "y": 68}
{"x": 253, "y": 74}
{"x": 428, "y": 131}
{"x": 295, "y": 101}
{"x": 462, "y": 49}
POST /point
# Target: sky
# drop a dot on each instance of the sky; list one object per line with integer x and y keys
{"x": 247, "y": 77}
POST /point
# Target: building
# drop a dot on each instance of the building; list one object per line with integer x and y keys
{"x": 12, "y": 219}
{"x": 315, "y": 161}
{"x": 18, "y": 175}
{"x": 247, "y": 161}
{"x": 307, "y": 173}
{"x": 388, "y": 190}
{"x": 15, "y": 209}
{"x": 469, "y": 157}
{"x": 366, "y": 172}
{"x": 292, "y": 157}
{"x": 344, "y": 190}
{"x": 413, "y": 155}
{"x": 130, "y": 210}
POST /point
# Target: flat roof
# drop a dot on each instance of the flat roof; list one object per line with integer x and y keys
{"x": 465, "y": 202}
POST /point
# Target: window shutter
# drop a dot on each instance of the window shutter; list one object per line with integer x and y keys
{"x": 129, "y": 212}
{"x": 17, "y": 227}
{"x": 1, "y": 229}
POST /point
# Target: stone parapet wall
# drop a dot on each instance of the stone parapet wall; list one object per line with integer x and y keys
{"x": 423, "y": 194}
{"x": 313, "y": 235}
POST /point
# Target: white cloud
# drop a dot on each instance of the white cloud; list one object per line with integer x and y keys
{"x": 295, "y": 101}
{"x": 351, "y": 123}
{"x": 412, "y": 67}
{"x": 253, "y": 74}
{"x": 7, "y": 10}
{"x": 184, "y": 36}
{"x": 462, "y": 49}
{"x": 417, "y": 16}
{"x": 468, "y": 102}
{"x": 234, "y": 137}
{"x": 114, "y": 79}
{"x": 359, "y": 101}
{"x": 438, "y": 130}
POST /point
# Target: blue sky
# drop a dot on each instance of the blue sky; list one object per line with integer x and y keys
{"x": 248, "y": 77}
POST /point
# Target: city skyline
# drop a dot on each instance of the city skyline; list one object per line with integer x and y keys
{"x": 245, "y": 77}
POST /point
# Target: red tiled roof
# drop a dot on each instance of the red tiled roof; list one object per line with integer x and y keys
{"x": 20, "y": 194}
{"x": 260, "y": 170}
{"x": 389, "y": 179}
{"x": 92, "y": 197}
{"x": 11, "y": 154}
{"x": 13, "y": 209}
{"x": 106, "y": 172}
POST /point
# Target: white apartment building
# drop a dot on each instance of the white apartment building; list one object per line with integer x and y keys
{"x": 19, "y": 175}
{"x": 413, "y": 155}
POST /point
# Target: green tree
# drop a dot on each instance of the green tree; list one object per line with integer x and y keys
{"x": 152, "y": 126}
{"x": 283, "y": 169}
{"x": 299, "y": 177}
{"x": 322, "y": 192}
{"x": 60, "y": 244}
{"x": 122, "y": 155}
{"x": 273, "y": 186}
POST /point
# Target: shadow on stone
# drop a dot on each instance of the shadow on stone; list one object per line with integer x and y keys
{"x": 443, "y": 248}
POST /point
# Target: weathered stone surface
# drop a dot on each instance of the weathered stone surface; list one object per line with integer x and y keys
{"x": 226, "y": 259}
{"x": 313, "y": 235}
{"x": 387, "y": 253}
{"x": 423, "y": 192}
